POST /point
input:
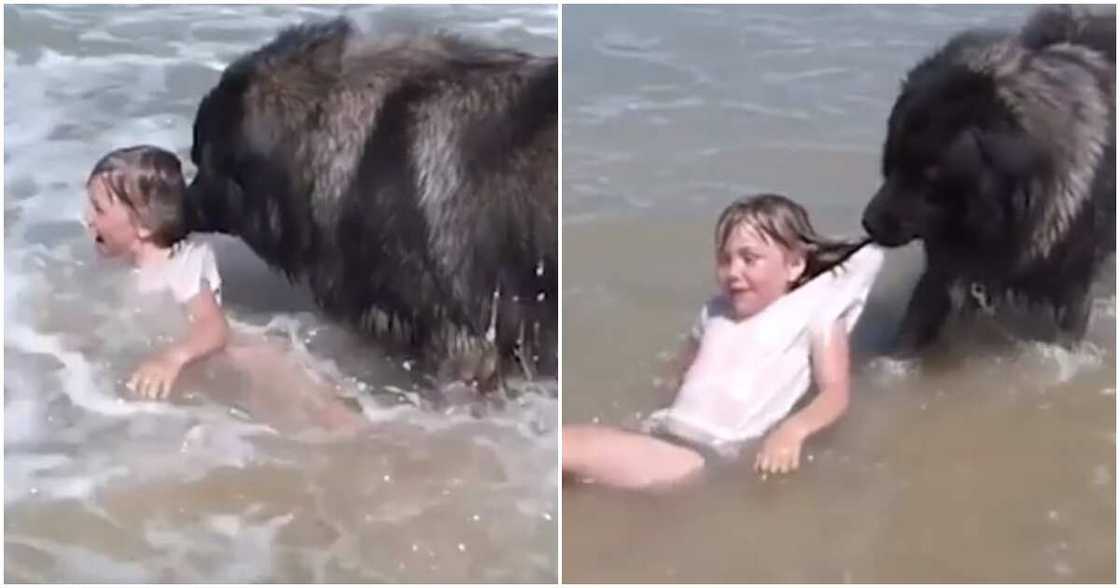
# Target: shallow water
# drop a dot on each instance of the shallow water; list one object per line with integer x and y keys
{"x": 226, "y": 483}
{"x": 993, "y": 460}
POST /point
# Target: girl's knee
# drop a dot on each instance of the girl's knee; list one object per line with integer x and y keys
{"x": 573, "y": 439}
{"x": 580, "y": 444}
{"x": 578, "y": 435}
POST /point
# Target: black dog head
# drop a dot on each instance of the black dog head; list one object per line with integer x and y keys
{"x": 215, "y": 198}
{"x": 244, "y": 186}
{"x": 956, "y": 162}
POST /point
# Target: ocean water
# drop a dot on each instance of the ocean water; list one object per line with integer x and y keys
{"x": 226, "y": 482}
{"x": 994, "y": 460}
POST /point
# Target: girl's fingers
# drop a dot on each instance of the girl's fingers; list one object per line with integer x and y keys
{"x": 150, "y": 386}
{"x": 782, "y": 461}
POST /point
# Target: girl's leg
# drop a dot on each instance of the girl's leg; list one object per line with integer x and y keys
{"x": 285, "y": 395}
{"x": 623, "y": 459}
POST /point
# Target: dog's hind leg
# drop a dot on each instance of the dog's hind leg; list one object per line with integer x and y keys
{"x": 522, "y": 353}
{"x": 929, "y": 306}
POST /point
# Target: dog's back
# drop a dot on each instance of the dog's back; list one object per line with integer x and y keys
{"x": 1077, "y": 25}
{"x": 1094, "y": 28}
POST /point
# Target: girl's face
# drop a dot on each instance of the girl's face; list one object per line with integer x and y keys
{"x": 110, "y": 221}
{"x": 754, "y": 271}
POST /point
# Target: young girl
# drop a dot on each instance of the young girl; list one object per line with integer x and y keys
{"x": 135, "y": 213}
{"x": 750, "y": 354}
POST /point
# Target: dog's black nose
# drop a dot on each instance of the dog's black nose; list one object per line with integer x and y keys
{"x": 875, "y": 225}
{"x": 867, "y": 227}
{"x": 885, "y": 229}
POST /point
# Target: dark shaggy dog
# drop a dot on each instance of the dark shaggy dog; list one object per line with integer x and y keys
{"x": 1000, "y": 157}
{"x": 410, "y": 181}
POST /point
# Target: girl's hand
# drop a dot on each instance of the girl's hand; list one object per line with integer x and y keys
{"x": 781, "y": 451}
{"x": 207, "y": 334}
{"x": 154, "y": 377}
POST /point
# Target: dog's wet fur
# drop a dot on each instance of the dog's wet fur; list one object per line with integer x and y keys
{"x": 1000, "y": 158}
{"x": 409, "y": 180}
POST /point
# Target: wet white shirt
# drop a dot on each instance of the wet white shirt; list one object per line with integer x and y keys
{"x": 748, "y": 374}
{"x": 191, "y": 267}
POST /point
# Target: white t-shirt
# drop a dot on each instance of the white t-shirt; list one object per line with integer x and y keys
{"x": 191, "y": 267}
{"x": 748, "y": 374}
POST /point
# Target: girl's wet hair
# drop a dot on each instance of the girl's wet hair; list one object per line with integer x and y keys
{"x": 786, "y": 223}
{"x": 150, "y": 181}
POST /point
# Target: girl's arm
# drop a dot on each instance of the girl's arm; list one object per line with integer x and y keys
{"x": 781, "y": 451}
{"x": 207, "y": 332}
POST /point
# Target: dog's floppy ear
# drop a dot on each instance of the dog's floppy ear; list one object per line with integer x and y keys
{"x": 1013, "y": 155}
{"x": 965, "y": 153}
{"x": 1013, "y": 158}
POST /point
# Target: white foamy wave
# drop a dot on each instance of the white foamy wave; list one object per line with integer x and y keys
{"x": 54, "y": 476}
{"x": 891, "y": 369}
{"x": 74, "y": 561}
{"x": 23, "y": 417}
{"x": 234, "y": 550}
{"x": 613, "y": 106}
{"x": 798, "y": 76}
{"x": 223, "y": 443}
{"x": 1060, "y": 363}
{"x": 62, "y": 63}
{"x": 500, "y": 24}
{"x": 1104, "y": 308}
{"x": 767, "y": 111}
{"x": 78, "y": 377}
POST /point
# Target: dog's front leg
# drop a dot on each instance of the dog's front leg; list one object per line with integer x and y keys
{"x": 925, "y": 314}
{"x": 1074, "y": 310}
